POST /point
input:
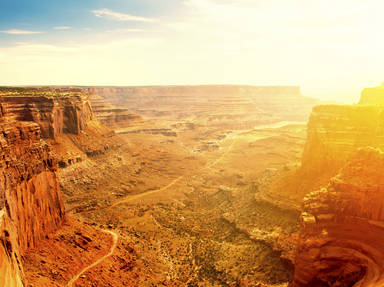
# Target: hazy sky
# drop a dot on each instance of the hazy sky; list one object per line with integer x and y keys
{"x": 331, "y": 48}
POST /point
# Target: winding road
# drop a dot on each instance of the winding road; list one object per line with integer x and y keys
{"x": 101, "y": 259}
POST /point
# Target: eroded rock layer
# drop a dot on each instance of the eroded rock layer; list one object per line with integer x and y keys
{"x": 110, "y": 115}
{"x": 343, "y": 226}
{"x": 336, "y": 131}
{"x": 56, "y": 112}
{"x": 29, "y": 183}
{"x": 373, "y": 96}
{"x": 11, "y": 270}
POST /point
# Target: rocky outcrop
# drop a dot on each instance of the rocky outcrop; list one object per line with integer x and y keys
{"x": 343, "y": 226}
{"x": 56, "y": 112}
{"x": 28, "y": 182}
{"x": 336, "y": 131}
{"x": 65, "y": 118}
{"x": 11, "y": 269}
{"x": 373, "y": 96}
{"x": 109, "y": 115}
{"x": 30, "y": 195}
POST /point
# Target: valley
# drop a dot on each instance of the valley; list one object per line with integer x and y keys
{"x": 171, "y": 201}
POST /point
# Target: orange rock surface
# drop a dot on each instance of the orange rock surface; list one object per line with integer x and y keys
{"x": 340, "y": 242}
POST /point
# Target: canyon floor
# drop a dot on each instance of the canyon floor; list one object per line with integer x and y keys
{"x": 184, "y": 209}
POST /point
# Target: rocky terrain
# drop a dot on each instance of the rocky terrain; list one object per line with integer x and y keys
{"x": 341, "y": 225}
{"x": 31, "y": 198}
{"x": 160, "y": 195}
{"x": 341, "y": 222}
{"x": 161, "y": 178}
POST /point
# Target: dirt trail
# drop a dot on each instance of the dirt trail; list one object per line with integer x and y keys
{"x": 173, "y": 182}
{"x": 137, "y": 196}
{"x": 84, "y": 270}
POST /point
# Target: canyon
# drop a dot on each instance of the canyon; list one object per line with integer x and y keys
{"x": 189, "y": 186}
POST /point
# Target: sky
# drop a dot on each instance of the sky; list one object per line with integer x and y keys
{"x": 332, "y": 49}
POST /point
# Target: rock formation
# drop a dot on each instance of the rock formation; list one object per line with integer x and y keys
{"x": 11, "y": 270}
{"x": 56, "y": 112}
{"x": 65, "y": 118}
{"x": 38, "y": 127}
{"x": 336, "y": 131}
{"x": 342, "y": 226}
{"x": 109, "y": 115}
{"x": 32, "y": 197}
{"x": 29, "y": 191}
{"x": 373, "y": 96}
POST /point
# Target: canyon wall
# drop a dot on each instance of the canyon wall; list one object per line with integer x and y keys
{"x": 342, "y": 227}
{"x": 38, "y": 127}
{"x": 11, "y": 270}
{"x": 336, "y": 131}
{"x": 374, "y": 95}
{"x": 65, "y": 117}
{"x": 30, "y": 195}
{"x": 56, "y": 113}
{"x": 29, "y": 183}
{"x": 342, "y": 224}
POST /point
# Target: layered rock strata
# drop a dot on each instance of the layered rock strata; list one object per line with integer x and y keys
{"x": 235, "y": 107}
{"x": 29, "y": 182}
{"x": 373, "y": 96}
{"x": 336, "y": 131}
{"x": 109, "y": 115}
{"x": 30, "y": 195}
{"x": 65, "y": 118}
{"x": 11, "y": 270}
{"x": 343, "y": 226}
{"x": 56, "y": 113}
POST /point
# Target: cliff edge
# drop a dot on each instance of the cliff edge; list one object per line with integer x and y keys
{"x": 342, "y": 226}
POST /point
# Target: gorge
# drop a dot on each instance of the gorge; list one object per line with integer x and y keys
{"x": 189, "y": 186}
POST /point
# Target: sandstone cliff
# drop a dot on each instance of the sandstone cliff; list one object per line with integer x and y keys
{"x": 30, "y": 195}
{"x": 56, "y": 112}
{"x": 65, "y": 118}
{"x": 336, "y": 131}
{"x": 373, "y": 96}
{"x": 342, "y": 226}
{"x": 29, "y": 183}
{"x": 11, "y": 270}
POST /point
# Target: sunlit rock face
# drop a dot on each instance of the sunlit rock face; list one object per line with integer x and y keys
{"x": 342, "y": 227}
{"x": 373, "y": 96}
{"x": 30, "y": 195}
{"x": 336, "y": 131}
{"x": 56, "y": 113}
{"x": 11, "y": 270}
{"x": 235, "y": 107}
{"x": 29, "y": 183}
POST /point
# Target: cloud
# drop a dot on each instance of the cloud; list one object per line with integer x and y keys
{"x": 20, "y": 32}
{"x": 106, "y": 13}
{"x": 123, "y": 31}
{"x": 61, "y": 28}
